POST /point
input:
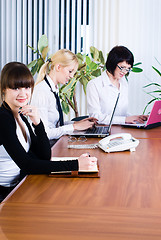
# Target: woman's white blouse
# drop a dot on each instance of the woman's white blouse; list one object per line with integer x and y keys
{"x": 45, "y": 101}
{"x": 9, "y": 171}
{"x": 101, "y": 98}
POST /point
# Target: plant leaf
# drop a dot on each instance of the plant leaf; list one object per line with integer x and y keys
{"x": 155, "y": 91}
{"x": 96, "y": 73}
{"x": 45, "y": 52}
{"x": 136, "y": 64}
{"x": 40, "y": 63}
{"x": 66, "y": 89}
{"x": 65, "y": 107}
{"x": 31, "y": 64}
{"x": 92, "y": 66}
{"x": 137, "y": 70}
{"x": 84, "y": 81}
{"x": 80, "y": 56}
{"x": 88, "y": 60}
{"x": 157, "y": 71}
{"x": 42, "y": 43}
{"x": 94, "y": 53}
{"x": 152, "y": 84}
{"x": 31, "y": 48}
{"x": 157, "y": 61}
{"x": 148, "y": 104}
{"x": 34, "y": 69}
{"x": 101, "y": 57}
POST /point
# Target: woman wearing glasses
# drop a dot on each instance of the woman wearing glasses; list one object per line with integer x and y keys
{"x": 102, "y": 91}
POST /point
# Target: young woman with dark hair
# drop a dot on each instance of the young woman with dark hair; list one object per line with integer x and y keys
{"x": 22, "y": 149}
{"x": 102, "y": 91}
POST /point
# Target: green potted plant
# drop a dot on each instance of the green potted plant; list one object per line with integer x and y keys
{"x": 89, "y": 68}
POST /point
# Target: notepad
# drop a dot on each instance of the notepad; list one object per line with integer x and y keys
{"x": 93, "y": 172}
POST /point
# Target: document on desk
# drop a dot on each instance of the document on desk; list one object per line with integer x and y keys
{"x": 93, "y": 172}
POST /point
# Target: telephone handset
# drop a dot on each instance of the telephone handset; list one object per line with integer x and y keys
{"x": 118, "y": 142}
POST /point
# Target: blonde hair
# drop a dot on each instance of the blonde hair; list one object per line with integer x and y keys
{"x": 63, "y": 57}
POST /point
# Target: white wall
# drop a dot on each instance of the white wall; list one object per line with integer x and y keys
{"x": 135, "y": 24}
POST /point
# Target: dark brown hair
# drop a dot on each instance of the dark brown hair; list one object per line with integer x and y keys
{"x": 15, "y": 75}
{"x": 116, "y": 55}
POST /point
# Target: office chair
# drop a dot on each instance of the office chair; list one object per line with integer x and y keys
{"x": 79, "y": 118}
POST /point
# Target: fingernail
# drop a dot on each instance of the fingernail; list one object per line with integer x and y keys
{"x": 19, "y": 111}
{"x": 20, "y": 107}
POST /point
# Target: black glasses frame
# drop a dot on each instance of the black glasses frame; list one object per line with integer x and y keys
{"x": 124, "y": 69}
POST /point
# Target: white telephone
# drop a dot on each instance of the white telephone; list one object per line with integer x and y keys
{"x": 118, "y": 142}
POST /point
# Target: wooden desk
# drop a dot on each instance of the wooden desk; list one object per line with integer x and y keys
{"x": 124, "y": 203}
{"x": 138, "y": 133}
{"x": 20, "y": 221}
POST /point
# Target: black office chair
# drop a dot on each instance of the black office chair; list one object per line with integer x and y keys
{"x": 79, "y": 118}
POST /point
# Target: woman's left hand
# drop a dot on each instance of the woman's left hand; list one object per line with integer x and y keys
{"x": 31, "y": 112}
{"x": 136, "y": 118}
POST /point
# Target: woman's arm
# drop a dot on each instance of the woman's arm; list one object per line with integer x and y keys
{"x": 40, "y": 145}
{"x": 27, "y": 161}
{"x": 46, "y": 105}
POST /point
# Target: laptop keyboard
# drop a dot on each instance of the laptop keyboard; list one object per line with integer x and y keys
{"x": 97, "y": 130}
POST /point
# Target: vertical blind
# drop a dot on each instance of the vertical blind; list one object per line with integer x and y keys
{"x": 65, "y": 22}
{"x": 22, "y": 22}
{"x": 74, "y": 22}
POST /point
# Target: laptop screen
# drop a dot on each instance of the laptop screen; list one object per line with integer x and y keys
{"x": 110, "y": 124}
{"x": 155, "y": 114}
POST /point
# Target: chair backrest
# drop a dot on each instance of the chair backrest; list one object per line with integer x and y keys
{"x": 79, "y": 118}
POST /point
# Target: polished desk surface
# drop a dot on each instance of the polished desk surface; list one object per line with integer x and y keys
{"x": 138, "y": 133}
{"x": 124, "y": 203}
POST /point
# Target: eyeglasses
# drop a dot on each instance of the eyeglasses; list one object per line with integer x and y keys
{"x": 123, "y": 69}
{"x": 74, "y": 139}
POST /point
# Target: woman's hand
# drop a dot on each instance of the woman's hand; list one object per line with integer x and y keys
{"x": 31, "y": 112}
{"x": 86, "y": 162}
{"x": 85, "y": 123}
{"x": 136, "y": 118}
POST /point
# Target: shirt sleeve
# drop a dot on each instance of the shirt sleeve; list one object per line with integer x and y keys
{"x": 29, "y": 162}
{"x": 94, "y": 106}
{"x": 46, "y": 104}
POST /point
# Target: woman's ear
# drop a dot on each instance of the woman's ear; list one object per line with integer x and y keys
{"x": 57, "y": 67}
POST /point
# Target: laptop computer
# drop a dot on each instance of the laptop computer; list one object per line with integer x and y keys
{"x": 154, "y": 119}
{"x": 97, "y": 131}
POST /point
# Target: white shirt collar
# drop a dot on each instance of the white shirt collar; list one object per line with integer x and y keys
{"x": 106, "y": 81}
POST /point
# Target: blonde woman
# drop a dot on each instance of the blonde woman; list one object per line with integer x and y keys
{"x": 63, "y": 66}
